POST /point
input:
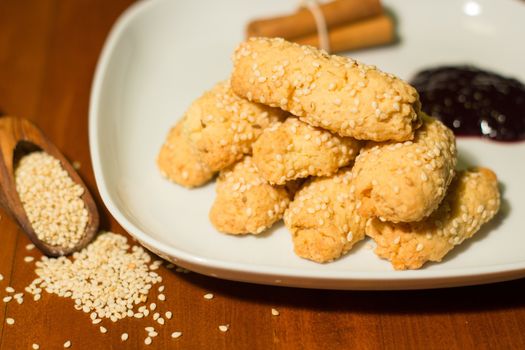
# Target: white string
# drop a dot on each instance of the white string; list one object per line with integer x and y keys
{"x": 320, "y": 22}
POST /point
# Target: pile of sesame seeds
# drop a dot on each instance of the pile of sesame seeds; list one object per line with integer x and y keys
{"x": 104, "y": 279}
{"x": 51, "y": 200}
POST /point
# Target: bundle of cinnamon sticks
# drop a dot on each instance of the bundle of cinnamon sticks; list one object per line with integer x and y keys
{"x": 351, "y": 24}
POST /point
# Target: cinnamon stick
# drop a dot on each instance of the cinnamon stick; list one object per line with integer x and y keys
{"x": 378, "y": 30}
{"x": 302, "y": 22}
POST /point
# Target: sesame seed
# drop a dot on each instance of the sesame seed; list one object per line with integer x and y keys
{"x": 275, "y": 312}
{"x": 349, "y": 236}
{"x": 51, "y": 199}
{"x": 10, "y": 321}
{"x": 29, "y": 259}
{"x": 9, "y": 289}
{"x": 124, "y": 336}
{"x": 35, "y": 346}
{"x": 160, "y": 321}
{"x": 419, "y": 247}
{"x": 148, "y": 341}
{"x": 161, "y": 297}
{"x": 67, "y": 344}
{"x": 424, "y": 177}
{"x": 152, "y": 306}
{"x": 176, "y": 335}
{"x": 7, "y": 299}
{"x": 169, "y": 315}
{"x": 30, "y": 246}
{"x": 1, "y": 277}
{"x": 161, "y": 289}
{"x": 105, "y": 263}
{"x": 397, "y": 240}
{"x": 156, "y": 316}
{"x": 208, "y": 296}
{"x": 224, "y": 327}
{"x": 103, "y": 329}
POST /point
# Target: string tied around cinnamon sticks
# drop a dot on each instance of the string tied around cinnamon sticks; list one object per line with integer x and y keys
{"x": 320, "y": 22}
{"x": 350, "y": 25}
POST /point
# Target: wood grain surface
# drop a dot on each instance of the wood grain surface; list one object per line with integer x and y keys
{"x": 48, "y": 52}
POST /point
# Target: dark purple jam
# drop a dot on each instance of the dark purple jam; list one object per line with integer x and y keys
{"x": 474, "y": 102}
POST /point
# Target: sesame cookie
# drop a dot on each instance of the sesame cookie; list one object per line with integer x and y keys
{"x": 178, "y": 161}
{"x": 403, "y": 182}
{"x": 332, "y": 92}
{"x": 293, "y": 149}
{"x": 472, "y": 200}
{"x": 246, "y": 202}
{"x": 323, "y": 218}
{"x": 223, "y": 126}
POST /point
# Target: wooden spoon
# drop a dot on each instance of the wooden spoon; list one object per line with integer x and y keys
{"x": 19, "y": 137}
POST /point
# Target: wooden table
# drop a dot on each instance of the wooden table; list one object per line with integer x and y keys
{"x": 48, "y": 52}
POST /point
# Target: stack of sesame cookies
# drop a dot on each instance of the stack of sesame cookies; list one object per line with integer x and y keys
{"x": 339, "y": 149}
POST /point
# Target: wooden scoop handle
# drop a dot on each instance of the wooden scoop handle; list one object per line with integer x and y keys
{"x": 19, "y": 136}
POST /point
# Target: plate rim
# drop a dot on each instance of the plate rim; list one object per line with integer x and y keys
{"x": 264, "y": 274}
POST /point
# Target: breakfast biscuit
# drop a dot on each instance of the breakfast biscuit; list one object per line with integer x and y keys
{"x": 333, "y": 92}
{"x": 293, "y": 149}
{"x": 178, "y": 161}
{"x": 223, "y": 126}
{"x": 403, "y": 182}
{"x": 472, "y": 200}
{"x": 246, "y": 202}
{"x": 323, "y": 218}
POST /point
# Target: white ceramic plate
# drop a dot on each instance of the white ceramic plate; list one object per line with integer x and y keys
{"x": 163, "y": 54}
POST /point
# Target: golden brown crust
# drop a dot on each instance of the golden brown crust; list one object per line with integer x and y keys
{"x": 472, "y": 200}
{"x": 293, "y": 149}
{"x": 223, "y": 126}
{"x": 332, "y": 92}
{"x": 404, "y": 182}
{"x": 178, "y": 161}
{"x": 323, "y": 218}
{"x": 245, "y": 202}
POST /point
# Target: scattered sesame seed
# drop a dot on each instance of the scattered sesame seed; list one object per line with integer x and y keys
{"x": 349, "y": 236}
{"x": 67, "y": 344}
{"x": 29, "y": 259}
{"x": 152, "y": 306}
{"x": 161, "y": 289}
{"x": 148, "y": 341}
{"x": 103, "y": 329}
{"x": 10, "y": 321}
{"x": 124, "y": 336}
{"x": 275, "y": 312}
{"x": 30, "y": 246}
{"x": 224, "y": 327}
{"x": 160, "y": 321}
{"x": 1, "y": 277}
{"x": 156, "y": 316}
{"x": 176, "y": 335}
{"x": 169, "y": 315}
{"x": 35, "y": 346}
{"x": 7, "y": 299}
{"x": 208, "y": 296}
{"x": 161, "y": 297}
{"x": 419, "y": 247}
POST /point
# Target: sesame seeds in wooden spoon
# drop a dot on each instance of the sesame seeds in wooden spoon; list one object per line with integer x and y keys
{"x": 45, "y": 196}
